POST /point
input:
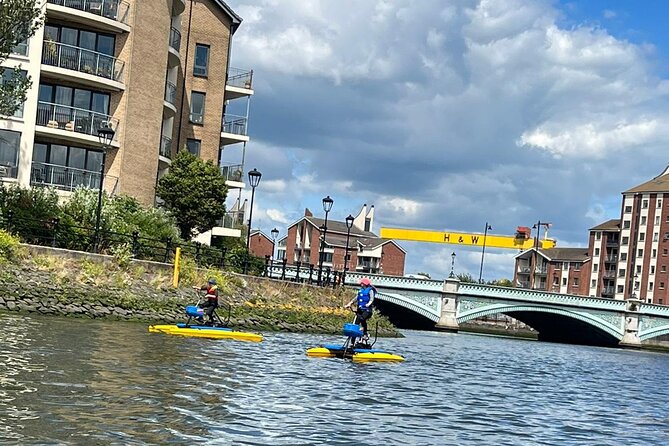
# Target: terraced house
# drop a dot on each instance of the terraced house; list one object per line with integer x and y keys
{"x": 154, "y": 71}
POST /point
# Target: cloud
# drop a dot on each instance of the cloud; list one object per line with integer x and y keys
{"x": 609, "y": 14}
{"x": 448, "y": 115}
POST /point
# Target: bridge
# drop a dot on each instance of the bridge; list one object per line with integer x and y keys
{"x": 556, "y": 317}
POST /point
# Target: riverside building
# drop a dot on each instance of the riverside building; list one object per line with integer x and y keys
{"x": 155, "y": 71}
{"x": 626, "y": 258}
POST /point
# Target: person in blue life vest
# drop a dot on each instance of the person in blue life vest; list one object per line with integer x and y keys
{"x": 364, "y": 299}
{"x": 211, "y": 302}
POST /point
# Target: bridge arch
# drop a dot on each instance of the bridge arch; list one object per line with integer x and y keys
{"x": 405, "y": 312}
{"x": 558, "y": 329}
{"x": 653, "y": 333}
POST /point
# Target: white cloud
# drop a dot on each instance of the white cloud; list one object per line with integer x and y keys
{"x": 278, "y": 216}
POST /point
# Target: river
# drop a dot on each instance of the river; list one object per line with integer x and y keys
{"x": 74, "y": 381}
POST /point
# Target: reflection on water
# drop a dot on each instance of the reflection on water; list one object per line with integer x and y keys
{"x": 68, "y": 381}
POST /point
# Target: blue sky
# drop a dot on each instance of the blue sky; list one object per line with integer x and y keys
{"x": 445, "y": 115}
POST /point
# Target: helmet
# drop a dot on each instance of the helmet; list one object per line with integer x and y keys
{"x": 212, "y": 281}
{"x": 365, "y": 281}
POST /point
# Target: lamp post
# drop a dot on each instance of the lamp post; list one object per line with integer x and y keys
{"x": 536, "y": 226}
{"x": 452, "y": 275}
{"x": 254, "y": 180}
{"x": 349, "y": 225}
{"x": 485, "y": 235}
{"x": 275, "y": 234}
{"x": 105, "y": 136}
{"x": 635, "y": 285}
{"x": 327, "y": 206}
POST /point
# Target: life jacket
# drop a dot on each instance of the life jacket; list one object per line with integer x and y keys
{"x": 212, "y": 291}
{"x": 364, "y": 296}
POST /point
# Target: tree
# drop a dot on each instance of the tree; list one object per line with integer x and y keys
{"x": 194, "y": 192}
{"x": 465, "y": 277}
{"x": 501, "y": 282}
{"x": 19, "y": 19}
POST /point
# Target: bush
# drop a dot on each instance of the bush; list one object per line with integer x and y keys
{"x": 10, "y": 249}
{"x": 32, "y": 212}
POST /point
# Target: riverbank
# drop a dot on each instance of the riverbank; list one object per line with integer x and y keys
{"x": 59, "y": 282}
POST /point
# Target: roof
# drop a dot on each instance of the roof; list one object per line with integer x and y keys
{"x": 338, "y": 226}
{"x": 560, "y": 254}
{"x": 236, "y": 20}
{"x": 658, "y": 184}
{"x": 610, "y": 225}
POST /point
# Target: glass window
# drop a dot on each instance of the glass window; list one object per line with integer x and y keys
{"x": 623, "y": 256}
{"x": 626, "y": 224}
{"x": 58, "y": 155}
{"x": 201, "y": 60}
{"x": 193, "y": 146}
{"x": 644, "y": 204}
{"x": 77, "y": 158}
{"x": 643, "y": 220}
{"x": 21, "y": 48}
{"x": 10, "y": 144}
{"x": 625, "y": 240}
{"x": 197, "y": 107}
{"x": 39, "y": 153}
{"x": 94, "y": 160}
{"x": 598, "y": 235}
{"x": 87, "y": 40}
{"x": 69, "y": 36}
{"x": 105, "y": 44}
{"x": 596, "y": 251}
{"x": 8, "y": 76}
{"x": 642, "y": 236}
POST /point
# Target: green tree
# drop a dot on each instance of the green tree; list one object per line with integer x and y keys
{"x": 465, "y": 277}
{"x": 501, "y": 282}
{"x": 18, "y": 21}
{"x": 194, "y": 192}
{"x": 32, "y": 211}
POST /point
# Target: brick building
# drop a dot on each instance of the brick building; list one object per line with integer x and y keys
{"x": 367, "y": 252}
{"x": 260, "y": 244}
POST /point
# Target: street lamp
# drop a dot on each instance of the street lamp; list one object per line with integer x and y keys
{"x": 275, "y": 234}
{"x": 536, "y": 226}
{"x": 254, "y": 180}
{"x": 327, "y": 206}
{"x": 635, "y": 285}
{"x": 452, "y": 265}
{"x": 349, "y": 225}
{"x": 105, "y": 136}
{"x": 485, "y": 234}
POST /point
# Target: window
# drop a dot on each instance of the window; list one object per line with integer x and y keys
{"x": 598, "y": 235}
{"x": 628, "y": 209}
{"x": 623, "y": 256}
{"x": 65, "y": 167}
{"x": 577, "y": 266}
{"x": 625, "y": 241}
{"x": 663, "y": 269}
{"x": 644, "y": 204}
{"x": 21, "y": 48}
{"x": 620, "y": 288}
{"x": 666, "y": 235}
{"x": 7, "y": 78}
{"x": 650, "y": 286}
{"x": 626, "y": 224}
{"x": 643, "y": 220}
{"x": 642, "y": 236}
{"x": 596, "y": 251}
{"x": 621, "y": 272}
{"x": 595, "y": 267}
{"x": 200, "y": 68}
{"x": 652, "y": 270}
{"x": 657, "y": 220}
{"x": 593, "y": 283}
{"x": 664, "y": 251}
{"x": 81, "y": 108}
{"x": 575, "y": 283}
{"x": 193, "y": 146}
{"x": 197, "y": 100}
{"x": 659, "y": 202}
{"x": 10, "y": 143}
{"x": 654, "y": 253}
{"x": 564, "y": 281}
{"x": 638, "y": 269}
{"x": 656, "y": 236}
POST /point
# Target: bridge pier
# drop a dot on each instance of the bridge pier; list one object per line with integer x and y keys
{"x": 449, "y": 306}
{"x": 631, "y": 335}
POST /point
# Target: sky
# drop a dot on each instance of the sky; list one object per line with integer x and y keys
{"x": 448, "y": 115}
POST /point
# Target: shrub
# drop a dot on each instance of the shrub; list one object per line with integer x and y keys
{"x": 10, "y": 249}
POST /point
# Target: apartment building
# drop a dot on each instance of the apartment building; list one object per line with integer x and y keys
{"x": 368, "y": 253}
{"x": 626, "y": 258}
{"x": 154, "y": 71}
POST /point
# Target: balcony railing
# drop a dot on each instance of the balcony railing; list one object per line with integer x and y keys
{"x": 234, "y": 124}
{"x": 166, "y": 147}
{"x": 540, "y": 270}
{"x": 607, "y": 291}
{"x": 170, "y": 93}
{"x": 232, "y": 220}
{"x": 175, "y": 39}
{"x": 609, "y": 274}
{"x": 110, "y": 9}
{"x": 524, "y": 269}
{"x": 522, "y": 284}
{"x": 240, "y": 78}
{"x": 21, "y": 49}
{"x": 82, "y": 60}
{"x": 233, "y": 172}
{"x": 74, "y": 119}
{"x": 611, "y": 259}
{"x": 613, "y": 242}
{"x": 64, "y": 177}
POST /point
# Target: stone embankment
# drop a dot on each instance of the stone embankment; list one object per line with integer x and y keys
{"x": 58, "y": 282}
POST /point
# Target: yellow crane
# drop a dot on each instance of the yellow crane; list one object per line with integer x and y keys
{"x": 522, "y": 239}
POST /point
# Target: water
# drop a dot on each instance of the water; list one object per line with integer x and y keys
{"x": 67, "y": 381}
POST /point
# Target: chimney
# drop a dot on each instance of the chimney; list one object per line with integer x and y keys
{"x": 307, "y": 213}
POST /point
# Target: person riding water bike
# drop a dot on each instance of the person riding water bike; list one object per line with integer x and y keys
{"x": 364, "y": 299}
{"x": 211, "y": 302}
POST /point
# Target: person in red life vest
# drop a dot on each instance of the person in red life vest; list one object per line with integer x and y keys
{"x": 211, "y": 302}
{"x": 364, "y": 299}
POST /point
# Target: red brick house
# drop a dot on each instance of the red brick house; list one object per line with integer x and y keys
{"x": 367, "y": 252}
{"x": 260, "y": 244}
{"x": 561, "y": 270}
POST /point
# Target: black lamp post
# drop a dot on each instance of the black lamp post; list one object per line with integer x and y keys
{"x": 327, "y": 206}
{"x": 275, "y": 234}
{"x": 254, "y": 180}
{"x": 349, "y": 225}
{"x": 536, "y": 226}
{"x": 635, "y": 285}
{"x": 485, "y": 235}
{"x": 105, "y": 136}
{"x": 452, "y": 265}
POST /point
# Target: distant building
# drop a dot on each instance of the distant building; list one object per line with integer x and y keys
{"x": 260, "y": 244}
{"x": 367, "y": 252}
{"x": 626, "y": 257}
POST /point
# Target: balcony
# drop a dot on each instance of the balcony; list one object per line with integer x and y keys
{"x": 608, "y": 291}
{"x": 611, "y": 259}
{"x": 612, "y": 243}
{"x": 239, "y": 83}
{"x": 230, "y": 225}
{"x": 108, "y": 15}
{"x": 609, "y": 274}
{"x": 71, "y": 123}
{"x": 234, "y": 175}
{"x": 233, "y": 129}
{"x": 170, "y": 97}
{"x": 522, "y": 284}
{"x": 540, "y": 270}
{"x": 80, "y": 65}
{"x": 67, "y": 178}
{"x": 524, "y": 269}
{"x": 166, "y": 147}
{"x": 174, "y": 48}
